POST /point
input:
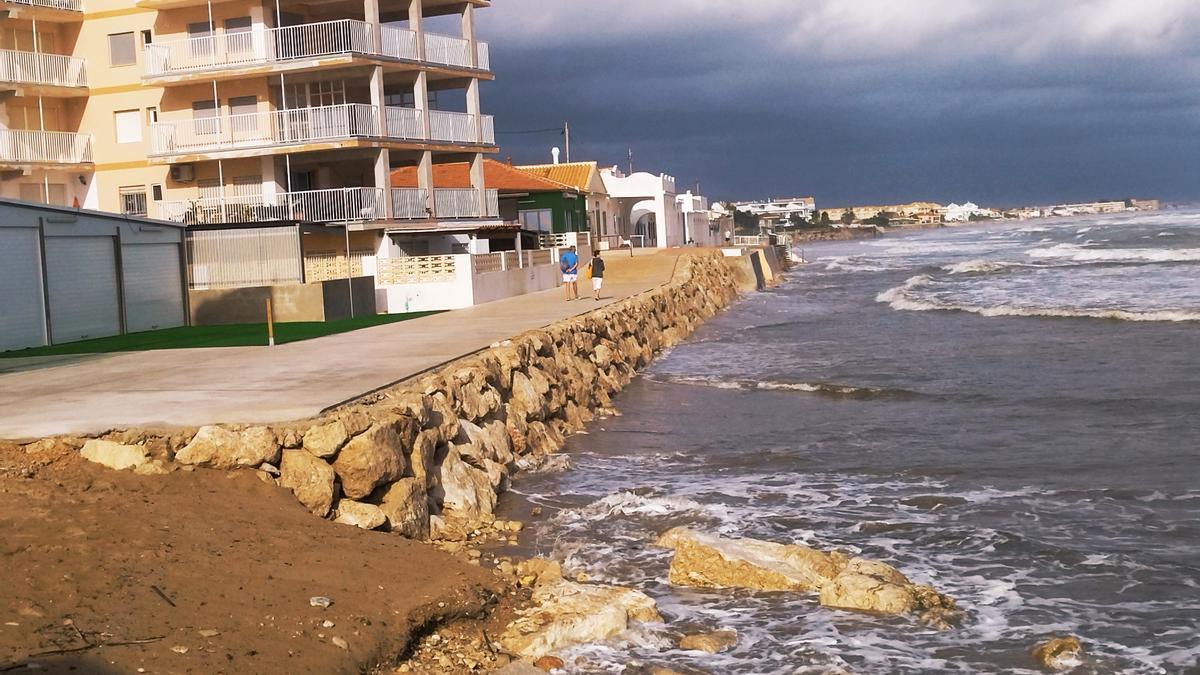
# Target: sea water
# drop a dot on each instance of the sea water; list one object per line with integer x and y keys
{"x": 1009, "y": 412}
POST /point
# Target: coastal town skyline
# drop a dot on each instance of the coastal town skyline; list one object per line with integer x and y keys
{"x": 999, "y": 103}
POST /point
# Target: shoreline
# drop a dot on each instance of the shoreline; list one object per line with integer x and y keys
{"x": 452, "y": 439}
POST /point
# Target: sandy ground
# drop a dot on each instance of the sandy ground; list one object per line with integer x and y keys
{"x": 208, "y": 572}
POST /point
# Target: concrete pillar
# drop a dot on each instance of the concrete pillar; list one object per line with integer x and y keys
{"x": 468, "y": 33}
{"x": 474, "y": 107}
{"x": 421, "y": 100}
{"x": 425, "y": 180}
{"x": 383, "y": 179}
{"x": 416, "y": 15}
{"x": 270, "y": 181}
{"x": 477, "y": 182}
{"x": 371, "y": 16}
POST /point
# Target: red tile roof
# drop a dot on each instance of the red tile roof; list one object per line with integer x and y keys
{"x": 496, "y": 175}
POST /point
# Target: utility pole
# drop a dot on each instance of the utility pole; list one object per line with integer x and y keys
{"x": 631, "y": 161}
{"x": 567, "y": 135}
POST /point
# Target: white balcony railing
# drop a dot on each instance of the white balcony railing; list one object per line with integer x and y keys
{"x": 252, "y": 130}
{"x": 342, "y": 37}
{"x": 310, "y": 125}
{"x": 452, "y": 127}
{"x": 39, "y": 68}
{"x": 45, "y": 147}
{"x": 69, "y": 5}
{"x": 337, "y": 205}
{"x": 461, "y": 203}
{"x": 409, "y": 204}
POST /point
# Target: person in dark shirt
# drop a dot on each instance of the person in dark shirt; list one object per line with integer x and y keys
{"x": 597, "y": 269}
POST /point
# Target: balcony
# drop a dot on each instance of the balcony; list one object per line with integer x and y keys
{"x": 44, "y": 147}
{"x": 323, "y": 124}
{"x": 49, "y": 10}
{"x": 343, "y": 38}
{"x": 337, "y": 205}
{"x": 42, "y": 70}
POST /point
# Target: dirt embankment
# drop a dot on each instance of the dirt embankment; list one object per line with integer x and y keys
{"x": 203, "y": 572}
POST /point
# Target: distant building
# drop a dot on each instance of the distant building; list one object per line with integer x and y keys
{"x": 1145, "y": 204}
{"x": 961, "y": 213}
{"x": 775, "y": 212}
{"x": 911, "y": 213}
{"x": 648, "y": 204}
{"x": 699, "y": 226}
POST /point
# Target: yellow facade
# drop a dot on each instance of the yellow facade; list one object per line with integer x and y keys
{"x": 234, "y": 112}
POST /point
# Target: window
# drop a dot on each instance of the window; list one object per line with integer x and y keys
{"x": 147, "y": 38}
{"x": 152, "y": 115}
{"x": 200, "y": 42}
{"x": 121, "y": 49}
{"x": 238, "y": 39}
{"x": 129, "y": 126}
{"x": 243, "y": 121}
{"x": 204, "y": 118}
{"x": 541, "y": 220}
{"x": 156, "y": 192}
{"x": 133, "y": 200}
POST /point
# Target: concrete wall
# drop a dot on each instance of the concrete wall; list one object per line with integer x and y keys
{"x": 325, "y": 301}
{"x": 499, "y": 285}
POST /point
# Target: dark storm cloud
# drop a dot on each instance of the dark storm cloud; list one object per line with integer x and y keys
{"x": 1001, "y": 102}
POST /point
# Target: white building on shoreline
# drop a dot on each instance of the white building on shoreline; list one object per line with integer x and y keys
{"x": 649, "y": 204}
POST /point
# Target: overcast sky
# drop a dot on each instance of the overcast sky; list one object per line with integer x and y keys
{"x": 998, "y": 101}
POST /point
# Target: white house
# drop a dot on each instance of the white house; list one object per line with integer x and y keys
{"x": 961, "y": 213}
{"x": 779, "y": 211}
{"x": 649, "y": 204}
{"x": 699, "y": 226}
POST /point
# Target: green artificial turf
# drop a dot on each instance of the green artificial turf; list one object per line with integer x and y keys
{"x": 239, "y": 335}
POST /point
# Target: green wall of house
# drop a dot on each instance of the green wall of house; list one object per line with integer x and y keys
{"x": 569, "y": 213}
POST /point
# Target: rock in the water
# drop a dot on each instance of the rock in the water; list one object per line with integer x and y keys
{"x": 114, "y": 455}
{"x": 358, "y": 514}
{"x": 325, "y": 440}
{"x": 309, "y": 478}
{"x": 709, "y": 561}
{"x": 871, "y": 586}
{"x": 219, "y": 448}
{"x": 369, "y": 460}
{"x": 713, "y": 643}
{"x": 405, "y": 504}
{"x": 1060, "y": 653}
{"x": 567, "y": 613}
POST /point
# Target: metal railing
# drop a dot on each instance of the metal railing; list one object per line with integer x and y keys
{"x": 69, "y": 5}
{"x": 754, "y": 240}
{"x": 564, "y": 239}
{"x": 416, "y": 269}
{"x": 308, "y": 125}
{"x": 458, "y": 203}
{"x": 45, "y": 147}
{"x": 406, "y": 123}
{"x": 409, "y": 204}
{"x": 341, "y": 37}
{"x": 256, "y": 256}
{"x": 250, "y": 130}
{"x": 454, "y": 127}
{"x": 40, "y": 68}
{"x": 336, "y": 205}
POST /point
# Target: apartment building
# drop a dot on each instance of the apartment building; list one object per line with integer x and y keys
{"x": 233, "y": 114}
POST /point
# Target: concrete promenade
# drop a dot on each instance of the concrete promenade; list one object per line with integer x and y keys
{"x": 191, "y": 387}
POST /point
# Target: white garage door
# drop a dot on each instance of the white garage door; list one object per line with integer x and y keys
{"x": 82, "y": 276}
{"x": 153, "y": 290}
{"x": 22, "y": 321}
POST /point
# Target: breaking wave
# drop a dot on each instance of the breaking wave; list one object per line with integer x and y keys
{"x": 906, "y": 298}
{"x": 823, "y": 388}
{"x": 1076, "y": 253}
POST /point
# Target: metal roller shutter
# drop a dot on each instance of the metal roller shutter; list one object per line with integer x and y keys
{"x": 22, "y": 315}
{"x": 82, "y": 276}
{"x": 153, "y": 289}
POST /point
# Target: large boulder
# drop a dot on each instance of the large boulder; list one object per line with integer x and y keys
{"x": 567, "y": 613}
{"x": 464, "y": 489}
{"x": 423, "y": 456}
{"x": 871, "y": 586}
{"x": 358, "y": 514}
{"x": 326, "y": 439}
{"x": 114, "y": 455}
{"x": 713, "y": 643}
{"x": 405, "y": 505}
{"x": 709, "y": 561}
{"x": 310, "y": 479}
{"x": 219, "y": 448}
{"x": 372, "y": 458}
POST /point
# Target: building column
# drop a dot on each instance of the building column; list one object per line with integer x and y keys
{"x": 383, "y": 179}
{"x": 371, "y": 16}
{"x": 468, "y": 33}
{"x": 425, "y": 181}
{"x": 478, "y": 184}
{"x": 416, "y": 15}
{"x": 475, "y": 109}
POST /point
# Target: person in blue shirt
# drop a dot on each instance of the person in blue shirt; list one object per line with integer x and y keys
{"x": 569, "y": 263}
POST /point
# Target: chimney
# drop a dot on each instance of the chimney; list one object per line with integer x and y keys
{"x": 554, "y": 152}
